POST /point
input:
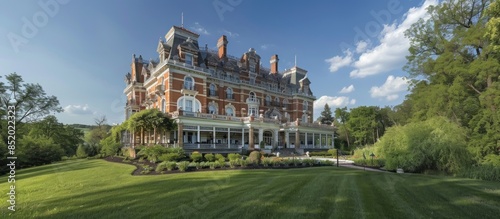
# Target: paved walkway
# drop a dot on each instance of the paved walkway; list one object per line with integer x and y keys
{"x": 347, "y": 163}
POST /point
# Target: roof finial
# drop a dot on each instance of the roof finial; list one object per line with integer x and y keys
{"x": 182, "y": 19}
{"x": 295, "y": 60}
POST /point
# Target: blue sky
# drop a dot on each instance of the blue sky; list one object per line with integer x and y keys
{"x": 80, "y": 51}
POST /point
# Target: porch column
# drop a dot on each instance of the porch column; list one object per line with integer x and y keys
{"x": 297, "y": 139}
{"x": 180, "y": 137}
{"x": 287, "y": 139}
{"x": 242, "y": 137}
{"x": 251, "y": 145}
{"x": 313, "y": 141}
{"x": 333, "y": 140}
{"x": 228, "y": 137}
{"x": 198, "y": 136}
{"x": 305, "y": 141}
{"x": 276, "y": 133}
{"x": 213, "y": 136}
{"x": 320, "y": 142}
{"x": 261, "y": 136}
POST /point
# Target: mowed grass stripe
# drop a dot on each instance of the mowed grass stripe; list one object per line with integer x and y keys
{"x": 99, "y": 189}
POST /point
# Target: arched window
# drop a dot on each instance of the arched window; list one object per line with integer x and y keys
{"x": 212, "y": 90}
{"x": 188, "y": 83}
{"x": 306, "y": 105}
{"x": 229, "y": 93}
{"x": 304, "y": 118}
{"x": 268, "y": 100}
{"x": 188, "y": 104}
{"x": 229, "y": 111}
{"x": 252, "y": 96}
{"x": 277, "y": 101}
{"x": 212, "y": 109}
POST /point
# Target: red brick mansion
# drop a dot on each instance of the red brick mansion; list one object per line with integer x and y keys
{"x": 222, "y": 101}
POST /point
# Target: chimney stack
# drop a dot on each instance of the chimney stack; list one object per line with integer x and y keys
{"x": 274, "y": 64}
{"x": 222, "y": 45}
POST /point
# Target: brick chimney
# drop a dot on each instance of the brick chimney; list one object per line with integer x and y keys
{"x": 274, "y": 64}
{"x": 222, "y": 45}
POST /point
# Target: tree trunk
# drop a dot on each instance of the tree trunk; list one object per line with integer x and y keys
{"x": 142, "y": 136}
{"x": 154, "y": 135}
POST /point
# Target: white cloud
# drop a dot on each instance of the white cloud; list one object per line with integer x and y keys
{"x": 390, "y": 89}
{"x": 333, "y": 102}
{"x": 361, "y": 46}
{"x": 346, "y": 90}
{"x": 200, "y": 29}
{"x": 230, "y": 34}
{"x": 78, "y": 110}
{"x": 391, "y": 52}
{"x": 338, "y": 62}
{"x": 266, "y": 46}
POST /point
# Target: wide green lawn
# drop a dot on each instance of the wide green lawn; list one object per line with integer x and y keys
{"x": 99, "y": 189}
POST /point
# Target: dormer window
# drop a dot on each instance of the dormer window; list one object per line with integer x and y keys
{"x": 252, "y": 68}
{"x": 189, "y": 59}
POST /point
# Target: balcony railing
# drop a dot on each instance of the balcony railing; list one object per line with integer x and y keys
{"x": 189, "y": 87}
{"x": 253, "y": 100}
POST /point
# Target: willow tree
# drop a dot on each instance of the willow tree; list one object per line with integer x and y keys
{"x": 455, "y": 69}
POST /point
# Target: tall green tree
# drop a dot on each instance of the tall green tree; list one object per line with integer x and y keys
{"x": 455, "y": 69}
{"x": 66, "y": 136}
{"x": 30, "y": 100}
{"x": 326, "y": 115}
{"x": 343, "y": 115}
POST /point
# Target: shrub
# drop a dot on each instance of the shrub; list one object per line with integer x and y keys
{"x": 141, "y": 159}
{"x": 161, "y": 166}
{"x": 205, "y": 164}
{"x": 332, "y": 152}
{"x": 234, "y": 157}
{"x": 234, "y": 163}
{"x": 110, "y": 146}
{"x": 152, "y": 153}
{"x": 221, "y": 163}
{"x": 435, "y": 144}
{"x": 192, "y": 165}
{"x": 198, "y": 165}
{"x": 483, "y": 172}
{"x": 267, "y": 162}
{"x": 196, "y": 156}
{"x": 81, "y": 151}
{"x": 327, "y": 163}
{"x": 245, "y": 163}
{"x": 170, "y": 157}
{"x": 220, "y": 157}
{"x": 254, "y": 157}
{"x": 171, "y": 165}
{"x": 146, "y": 169}
{"x": 37, "y": 151}
{"x": 297, "y": 162}
{"x": 209, "y": 157}
{"x": 308, "y": 162}
{"x": 286, "y": 162}
{"x": 183, "y": 166}
{"x": 126, "y": 152}
{"x": 276, "y": 162}
{"x": 212, "y": 165}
